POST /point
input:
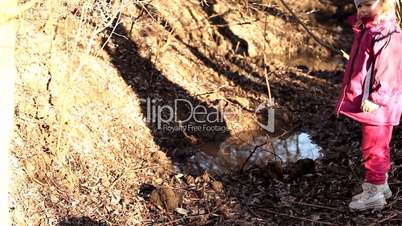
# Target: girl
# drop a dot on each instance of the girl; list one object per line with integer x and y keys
{"x": 372, "y": 93}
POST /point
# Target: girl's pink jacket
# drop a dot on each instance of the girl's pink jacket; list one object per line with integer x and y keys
{"x": 381, "y": 43}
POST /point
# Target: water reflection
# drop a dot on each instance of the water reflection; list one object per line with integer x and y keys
{"x": 232, "y": 154}
{"x": 297, "y": 147}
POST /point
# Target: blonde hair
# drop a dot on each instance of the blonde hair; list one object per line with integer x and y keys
{"x": 387, "y": 8}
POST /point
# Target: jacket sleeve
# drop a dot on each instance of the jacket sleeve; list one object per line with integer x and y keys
{"x": 387, "y": 54}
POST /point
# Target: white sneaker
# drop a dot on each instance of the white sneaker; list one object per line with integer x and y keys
{"x": 383, "y": 188}
{"x": 371, "y": 198}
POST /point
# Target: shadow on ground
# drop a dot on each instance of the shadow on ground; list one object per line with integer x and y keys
{"x": 168, "y": 108}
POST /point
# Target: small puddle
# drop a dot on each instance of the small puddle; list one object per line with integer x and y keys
{"x": 234, "y": 152}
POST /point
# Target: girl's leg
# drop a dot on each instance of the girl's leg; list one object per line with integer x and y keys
{"x": 376, "y": 152}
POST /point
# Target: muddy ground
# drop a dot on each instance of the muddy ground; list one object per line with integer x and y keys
{"x": 87, "y": 152}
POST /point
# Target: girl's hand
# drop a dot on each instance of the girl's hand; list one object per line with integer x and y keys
{"x": 368, "y": 106}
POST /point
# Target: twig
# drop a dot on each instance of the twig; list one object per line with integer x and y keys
{"x": 253, "y": 212}
{"x": 251, "y": 154}
{"x": 207, "y": 93}
{"x": 175, "y": 221}
{"x": 319, "y": 41}
{"x": 117, "y": 179}
{"x": 235, "y": 24}
{"x": 393, "y": 215}
{"x": 308, "y": 30}
{"x": 265, "y": 63}
{"x": 315, "y": 205}
{"x": 144, "y": 168}
{"x": 295, "y": 217}
{"x": 133, "y": 21}
{"x": 274, "y": 153}
{"x": 115, "y": 22}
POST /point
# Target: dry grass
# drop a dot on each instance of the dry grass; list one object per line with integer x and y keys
{"x": 81, "y": 144}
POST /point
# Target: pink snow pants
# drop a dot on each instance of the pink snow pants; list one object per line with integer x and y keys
{"x": 376, "y": 152}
